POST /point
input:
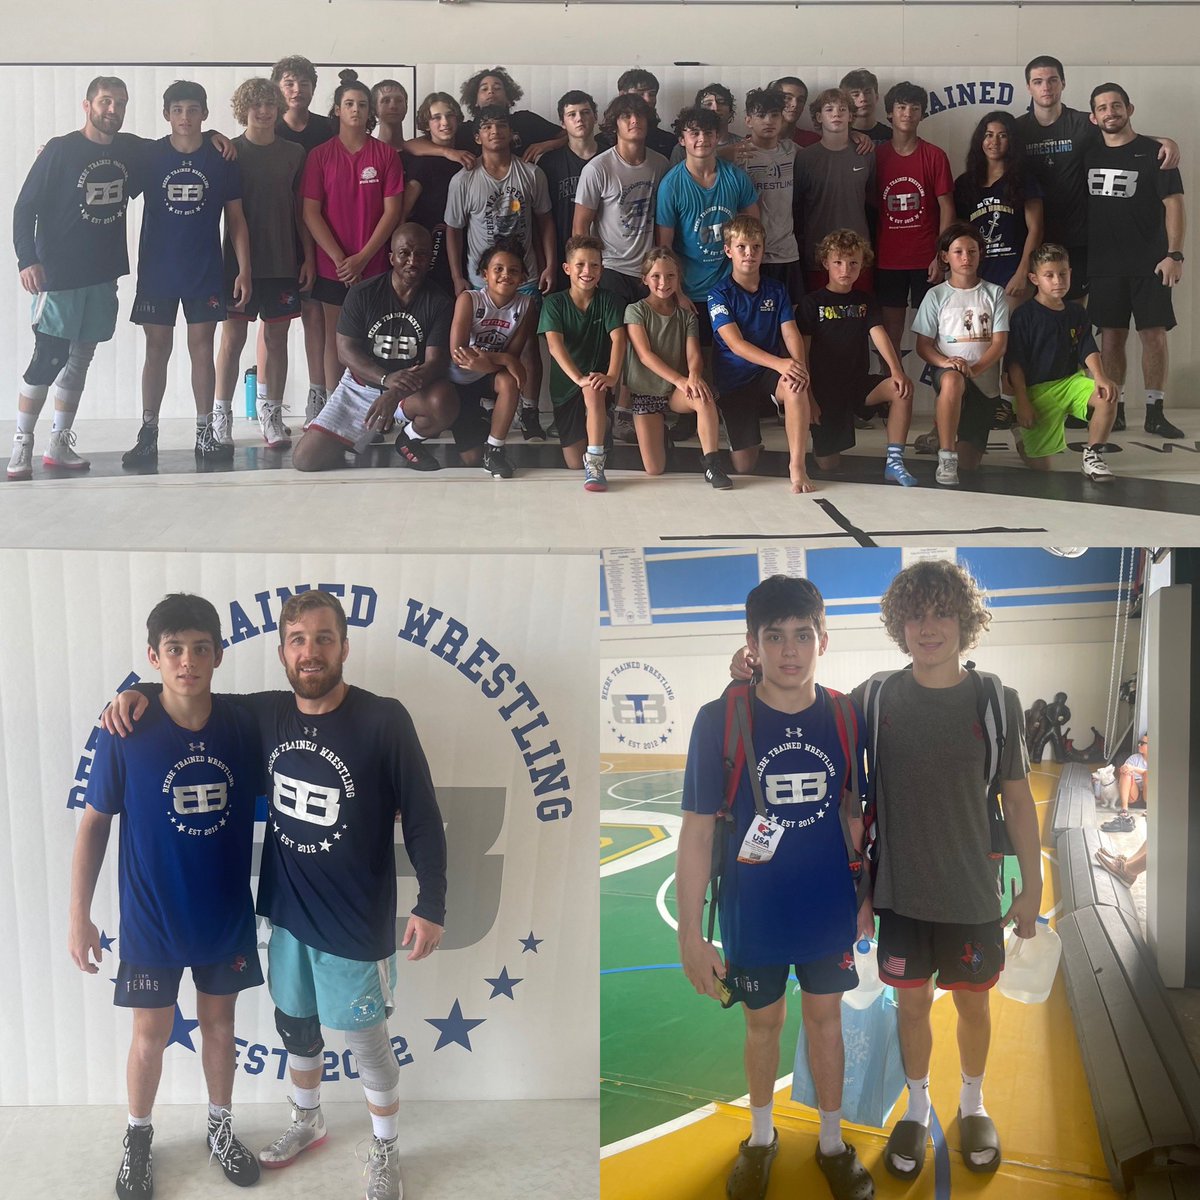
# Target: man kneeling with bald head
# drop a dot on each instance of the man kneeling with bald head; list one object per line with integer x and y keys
{"x": 393, "y": 337}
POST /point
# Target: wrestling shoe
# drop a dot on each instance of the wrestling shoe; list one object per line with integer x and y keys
{"x": 495, "y": 462}
{"x": 593, "y": 473}
{"x": 383, "y": 1170}
{"x": 894, "y": 471}
{"x": 208, "y": 449}
{"x": 1119, "y": 419}
{"x": 145, "y": 452}
{"x": 926, "y": 443}
{"x": 61, "y": 452}
{"x": 1157, "y": 423}
{"x": 306, "y": 1131}
{"x": 714, "y": 473}
{"x": 222, "y": 426}
{"x": 1094, "y": 466}
{"x": 415, "y": 454}
{"x": 274, "y": 431}
{"x": 623, "y": 430}
{"x": 947, "y": 470}
{"x": 20, "y": 466}
{"x": 531, "y": 424}
{"x": 239, "y": 1165}
{"x": 135, "y": 1179}
{"x": 314, "y": 403}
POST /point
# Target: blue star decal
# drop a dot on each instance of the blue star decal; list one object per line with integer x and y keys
{"x": 502, "y": 985}
{"x": 454, "y": 1028}
{"x": 531, "y": 943}
{"x": 106, "y": 942}
{"x": 181, "y": 1031}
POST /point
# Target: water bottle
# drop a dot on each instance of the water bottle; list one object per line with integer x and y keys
{"x": 251, "y": 378}
{"x": 1030, "y": 965}
{"x": 866, "y": 963}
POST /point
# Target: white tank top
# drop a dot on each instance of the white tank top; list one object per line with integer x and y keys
{"x": 492, "y": 328}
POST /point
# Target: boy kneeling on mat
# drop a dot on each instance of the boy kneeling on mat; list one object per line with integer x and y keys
{"x": 787, "y": 892}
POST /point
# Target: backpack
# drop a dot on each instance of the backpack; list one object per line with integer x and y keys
{"x": 739, "y": 704}
{"x": 993, "y": 720}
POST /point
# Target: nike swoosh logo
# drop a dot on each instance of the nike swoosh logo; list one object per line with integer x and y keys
{"x": 858, "y": 168}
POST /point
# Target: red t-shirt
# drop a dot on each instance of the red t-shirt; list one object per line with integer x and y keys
{"x": 907, "y": 189}
{"x": 351, "y": 189}
{"x": 805, "y": 137}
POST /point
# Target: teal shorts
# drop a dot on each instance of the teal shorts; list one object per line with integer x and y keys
{"x": 343, "y": 992}
{"x": 86, "y": 314}
{"x": 1052, "y": 403}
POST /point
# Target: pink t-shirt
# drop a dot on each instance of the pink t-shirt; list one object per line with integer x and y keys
{"x": 907, "y": 188}
{"x": 351, "y": 189}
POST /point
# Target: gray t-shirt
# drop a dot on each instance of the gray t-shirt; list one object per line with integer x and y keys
{"x": 490, "y": 208}
{"x": 933, "y": 830}
{"x": 622, "y": 197}
{"x": 774, "y": 175}
{"x": 270, "y": 179}
{"x": 833, "y": 186}
{"x": 668, "y": 339}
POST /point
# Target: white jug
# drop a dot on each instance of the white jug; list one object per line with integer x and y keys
{"x": 1030, "y": 965}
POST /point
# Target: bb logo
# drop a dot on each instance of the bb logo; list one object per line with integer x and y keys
{"x": 903, "y": 202}
{"x": 805, "y": 787}
{"x": 185, "y": 193}
{"x": 633, "y": 709}
{"x": 198, "y": 798}
{"x": 109, "y": 191}
{"x": 395, "y": 346}
{"x": 306, "y": 801}
{"x": 1107, "y": 181}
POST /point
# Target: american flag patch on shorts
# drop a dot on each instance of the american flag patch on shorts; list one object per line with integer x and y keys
{"x": 894, "y": 965}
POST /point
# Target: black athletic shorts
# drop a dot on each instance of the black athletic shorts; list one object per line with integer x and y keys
{"x": 197, "y": 310}
{"x": 835, "y": 433}
{"x": 627, "y": 288}
{"x": 760, "y": 987}
{"x": 1079, "y": 272}
{"x": 472, "y": 425}
{"x": 740, "y": 407}
{"x": 964, "y": 957}
{"x": 977, "y": 414}
{"x": 271, "y": 299}
{"x": 1116, "y": 298}
{"x": 901, "y": 289}
{"x": 704, "y": 321}
{"x": 158, "y": 987}
{"x": 570, "y": 419}
{"x": 790, "y": 274}
{"x": 329, "y": 291}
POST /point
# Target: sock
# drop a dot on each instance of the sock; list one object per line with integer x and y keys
{"x": 1097, "y": 447}
{"x": 26, "y": 422}
{"x": 762, "y": 1131}
{"x": 595, "y": 451}
{"x": 527, "y": 403}
{"x": 400, "y": 415}
{"x": 970, "y": 1101}
{"x": 139, "y": 1122}
{"x": 385, "y": 1128}
{"x": 495, "y": 441}
{"x": 307, "y": 1097}
{"x": 895, "y": 452}
{"x": 918, "y": 1100}
{"x": 316, "y": 388}
{"x": 226, "y": 406}
{"x": 261, "y": 392}
{"x": 1154, "y": 398}
{"x": 149, "y": 418}
{"x": 412, "y": 434}
{"x": 217, "y": 1111}
{"x": 830, "y": 1137}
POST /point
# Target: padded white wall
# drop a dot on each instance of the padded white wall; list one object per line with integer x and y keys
{"x": 74, "y": 628}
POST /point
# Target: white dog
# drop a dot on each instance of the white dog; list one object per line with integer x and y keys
{"x": 1104, "y": 786}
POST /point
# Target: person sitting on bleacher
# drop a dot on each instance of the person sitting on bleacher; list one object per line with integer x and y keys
{"x": 1131, "y": 788}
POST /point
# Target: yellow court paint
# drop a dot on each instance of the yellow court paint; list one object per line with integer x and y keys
{"x": 1035, "y": 1090}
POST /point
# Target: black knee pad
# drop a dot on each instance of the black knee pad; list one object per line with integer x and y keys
{"x": 301, "y": 1035}
{"x": 49, "y": 357}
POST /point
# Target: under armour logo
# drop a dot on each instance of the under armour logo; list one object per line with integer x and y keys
{"x": 309, "y": 730}
{"x": 794, "y": 731}
{"x": 196, "y": 747}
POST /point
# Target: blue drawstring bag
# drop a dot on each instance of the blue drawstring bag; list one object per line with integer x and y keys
{"x": 874, "y": 1069}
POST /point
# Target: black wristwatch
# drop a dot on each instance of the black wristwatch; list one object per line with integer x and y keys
{"x": 1177, "y": 255}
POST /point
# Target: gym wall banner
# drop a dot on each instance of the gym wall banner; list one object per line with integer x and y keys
{"x": 484, "y": 654}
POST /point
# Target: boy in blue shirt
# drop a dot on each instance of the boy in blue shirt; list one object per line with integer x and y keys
{"x": 751, "y": 316}
{"x": 795, "y": 905}
{"x": 191, "y": 768}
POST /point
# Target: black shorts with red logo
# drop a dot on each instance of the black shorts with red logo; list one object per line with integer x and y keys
{"x": 271, "y": 299}
{"x": 759, "y": 987}
{"x": 158, "y": 987}
{"x": 966, "y": 957}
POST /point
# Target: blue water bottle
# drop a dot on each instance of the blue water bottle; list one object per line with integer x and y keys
{"x": 251, "y": 378}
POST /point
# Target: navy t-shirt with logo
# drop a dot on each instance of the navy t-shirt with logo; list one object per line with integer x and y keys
{"x": 1127, "y": 225}
{"x": 185, "y": 195}
{"x": 759, "y": 316}
{"x": 70, "y": 214}
{"x": 336, "y": 783}
{"x": 800, "y": 905}
{"x": 186, "y": 801}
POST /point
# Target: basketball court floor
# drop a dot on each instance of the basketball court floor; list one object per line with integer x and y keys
{"x": 259, "y": 502}
{"x": 672, "y": 1103}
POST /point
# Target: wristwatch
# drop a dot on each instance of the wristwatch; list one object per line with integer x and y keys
{"x": 1177, "y": 255}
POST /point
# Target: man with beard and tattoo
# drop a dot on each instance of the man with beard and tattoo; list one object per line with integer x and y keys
{"x": 342, "y": 766}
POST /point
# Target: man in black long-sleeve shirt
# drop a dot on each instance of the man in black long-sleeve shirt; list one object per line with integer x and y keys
{"x": 69, "y": 235}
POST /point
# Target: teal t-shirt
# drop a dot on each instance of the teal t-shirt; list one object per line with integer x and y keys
{"x": 587, "y": 335}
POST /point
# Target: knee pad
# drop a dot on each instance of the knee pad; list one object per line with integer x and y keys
{"x": 301, "y": 1035}
{"x": 49, "y": 357}
{"x": 75, "y": 372}
{"x": 377, "y": 1067}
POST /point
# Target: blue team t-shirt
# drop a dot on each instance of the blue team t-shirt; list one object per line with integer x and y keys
{"x": 185, "y": 195}
{"x": 186, "y": 801}
{"x": 698, "y": 216}
{"x": 800, "y": 905}
{"x": 759, "y": 316}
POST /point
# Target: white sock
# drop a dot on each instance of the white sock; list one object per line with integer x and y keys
{"x": 1154, "y": 396}
{"x": 307, "y": 1097}
{"x": 316, "y": 388}
{"x": 762, "y": 1131}
{"x": 139, "y": 1122}
{"x": 26, "y": 422}
{"x": 970, "y": 1101}
{"x": 412, "y": 434}
{"x": 596, "y": 451}
{"x": 217, "y": 1111}
{"x": 64, "y": 418}
{"x": 261, "y": 392}
{"x": 526, "y": 402}
{"x": 495, "y": 441}
{"x": 830, "y": 1137}
{"x": 385, "y": 1128}
{"x": 918, "y": 1100}
{"x": 226, "y": 406}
